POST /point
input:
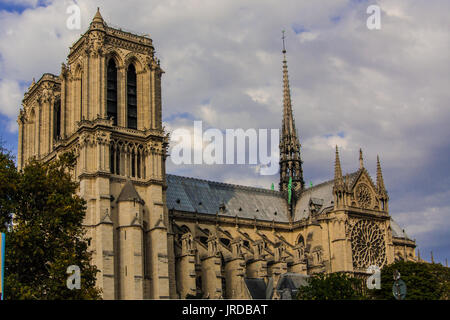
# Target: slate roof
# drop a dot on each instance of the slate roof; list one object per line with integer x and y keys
{"x": 323, "y": 191}
{"x": 256, "y": 287}
{"x": 208, "y": 197}
{"x": 397, "y": 231}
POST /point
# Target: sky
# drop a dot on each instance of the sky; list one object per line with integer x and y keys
{"x": 385, "y": 91}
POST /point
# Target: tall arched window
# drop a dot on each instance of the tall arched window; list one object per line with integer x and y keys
{"x": 112, "y": 159}
{"x": 300, "y": 240}
{"x": 146, "y": 249}
{"x": 57, "y": 120}
{"x": 81, "y": 97}
{"x": 111, "y": 96}
{"x": 131, "y": 98}
{"x": 133, "y": 164}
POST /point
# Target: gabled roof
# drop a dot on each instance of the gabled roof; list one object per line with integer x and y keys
{"x": 356, "y": 175}
{"x": 129, "y": 193}
{"x": 210, "y": 197}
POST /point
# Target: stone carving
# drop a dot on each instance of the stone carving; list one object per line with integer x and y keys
{"x": 363, "y": 195}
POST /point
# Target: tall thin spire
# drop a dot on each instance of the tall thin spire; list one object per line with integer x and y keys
{"x": 290, "y": 159}
{"x": 337, "y": 167}
{"x": 380, "y": 181}
{"x": 288, "y": 118}
{"x": 339, "y": 182}
{"x": 361, "y": 162}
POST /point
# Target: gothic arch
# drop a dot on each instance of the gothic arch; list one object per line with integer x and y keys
{"x": 112, "y": 90}
{"x": 78, "y": 92}
{"x": 113, "y": 54}
{"x": 78, "y": 70}
{"x": 131, "y": 58}
{"x": 32, "y": 132}
{"x": 132, "y": 96}
{"x": 300, "y": 239}
{"x": 185, "y": 229}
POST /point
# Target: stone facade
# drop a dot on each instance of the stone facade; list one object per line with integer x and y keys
{"x": 158, "y": 236}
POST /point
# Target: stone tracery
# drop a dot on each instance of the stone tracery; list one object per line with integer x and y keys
{"x": 368, "y": 244}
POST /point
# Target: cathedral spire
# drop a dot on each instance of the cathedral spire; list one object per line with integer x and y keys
{"x": 290, "y": 160}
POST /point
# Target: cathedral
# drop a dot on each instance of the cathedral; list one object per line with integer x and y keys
{"x": 155, "y": 235}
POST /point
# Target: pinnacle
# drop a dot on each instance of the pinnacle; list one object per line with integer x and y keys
{"x": 337, "y": 167}
{"x": 380, "y": 182}
{"x": 361, "y": 162}
{"x": 98, "y": 17}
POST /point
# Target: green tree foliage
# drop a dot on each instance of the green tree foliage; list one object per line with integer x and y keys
{"x": 333, "y": 286}
{"x": 8, "y": 188}
{"x": 424, "y": 281}
{"x": 47, "y": 234}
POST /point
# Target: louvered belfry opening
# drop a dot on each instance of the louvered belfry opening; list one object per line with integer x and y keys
{"x": 131, "y": 98}
{"x": 111, "y": 97}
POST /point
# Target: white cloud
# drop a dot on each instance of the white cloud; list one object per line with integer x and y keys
{"x": 259, "y": 95}
{"x": 307, "y": 36}
{"x": 28, "y": 3}
{"x": 10, "y": 97}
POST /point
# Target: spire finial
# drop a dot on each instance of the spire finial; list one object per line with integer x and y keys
{"x": 432, "y": 257}
{"x": 283, "y": 37}
{"x": 361, "y": 162}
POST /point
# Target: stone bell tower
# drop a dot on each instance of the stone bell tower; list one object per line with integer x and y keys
{"x": 105, "y": 106}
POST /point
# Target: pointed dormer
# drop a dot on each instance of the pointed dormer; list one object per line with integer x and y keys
{"x": 290, "y": 159}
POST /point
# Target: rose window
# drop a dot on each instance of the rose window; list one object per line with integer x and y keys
{"x": 368, "y": 245}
